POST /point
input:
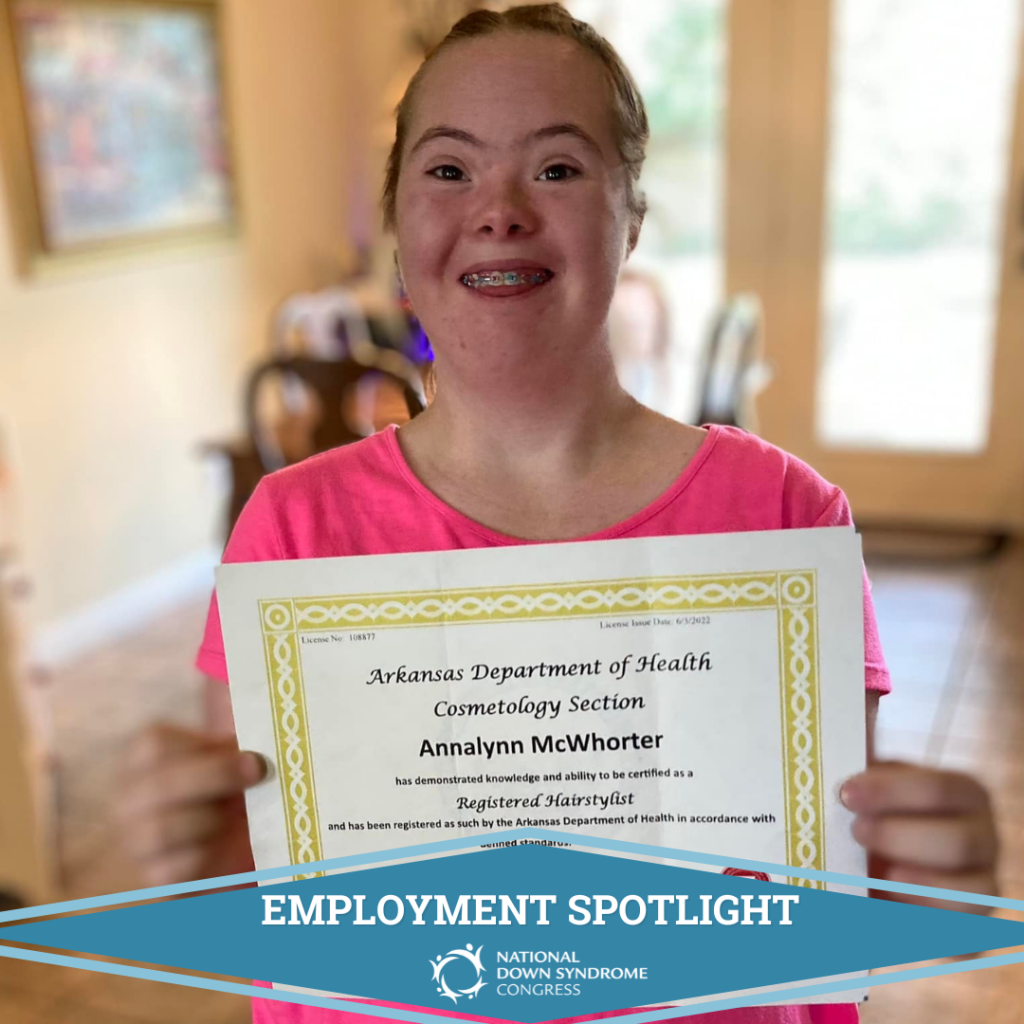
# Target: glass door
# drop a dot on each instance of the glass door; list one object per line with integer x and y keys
{"x": 677, "y": 50}
{"x": 894, "y": 291}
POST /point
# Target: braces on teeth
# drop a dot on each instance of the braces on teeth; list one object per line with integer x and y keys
{"x": 508, "y": 277}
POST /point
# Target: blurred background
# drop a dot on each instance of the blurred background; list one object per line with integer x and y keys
{"x": 195, "y": 290}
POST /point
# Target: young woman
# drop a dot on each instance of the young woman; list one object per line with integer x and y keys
{"x": 512, "y": 189}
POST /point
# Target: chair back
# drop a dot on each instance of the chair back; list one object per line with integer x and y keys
{"x": 733, "y": 372}
{"x": 332, "y": 384}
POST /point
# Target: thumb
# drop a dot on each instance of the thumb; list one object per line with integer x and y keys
{"x": 254, "y": 767}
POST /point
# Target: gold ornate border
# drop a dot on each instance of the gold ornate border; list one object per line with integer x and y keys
{"x": 791, "y": 594}
{"x": 291, "y": 732}
{"x": 801, "y": 723}
{"x": 560, "y": 601}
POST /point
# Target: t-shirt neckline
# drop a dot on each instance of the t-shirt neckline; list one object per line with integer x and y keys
{"x": 493, "y": 537}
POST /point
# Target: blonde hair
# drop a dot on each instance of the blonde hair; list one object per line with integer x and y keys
{"x": 630, "y": 116}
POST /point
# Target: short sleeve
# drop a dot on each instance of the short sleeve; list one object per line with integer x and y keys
{"x": 876, "y": 674}
{"x": 254, "y": 539}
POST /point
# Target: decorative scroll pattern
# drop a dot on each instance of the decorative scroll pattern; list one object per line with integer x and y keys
{"x": 792, "y": 594}
{"x": 565, "y": 601}
{"x": 801, "y": 724}
{"x": 294, "y": 758}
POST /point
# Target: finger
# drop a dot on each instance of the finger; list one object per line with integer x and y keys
{"x": 976, "y": 882}
{"x": 159, "y": 834}
{"x": 885, "y": 789}
{"x": 203, "y": 777}
{"x": 160, "y": 743}
{"x": 184, "y": 865}
{"x": 946, "y": 844}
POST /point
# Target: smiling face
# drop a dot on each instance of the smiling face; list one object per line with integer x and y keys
{"x": 511, "y": 214}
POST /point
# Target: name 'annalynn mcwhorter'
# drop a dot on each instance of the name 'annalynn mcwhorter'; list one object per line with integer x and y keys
{"x": 569, "y": 743}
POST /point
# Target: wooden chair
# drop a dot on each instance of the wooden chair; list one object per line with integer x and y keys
{"x": 734, "y": 372}
{"x": 315, "y": 407}
{"x": 334, "y": 389}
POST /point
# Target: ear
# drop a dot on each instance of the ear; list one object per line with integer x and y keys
{"x": 636, "y": 223}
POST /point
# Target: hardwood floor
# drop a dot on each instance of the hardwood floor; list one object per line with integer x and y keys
{"x": 953, "y": 633}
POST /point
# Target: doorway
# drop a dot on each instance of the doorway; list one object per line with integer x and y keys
{"x": 858, "y": 165}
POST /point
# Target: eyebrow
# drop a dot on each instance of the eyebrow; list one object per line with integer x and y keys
{"x": 552, "y": 131}
{"x": 445, "y": 131}
{"x": 568, "y": 128}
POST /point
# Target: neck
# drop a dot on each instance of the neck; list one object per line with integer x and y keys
{"x": 548, "y": 421}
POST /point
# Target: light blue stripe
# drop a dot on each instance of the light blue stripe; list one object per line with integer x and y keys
{"x": 234, "y": 988}
{"x": 425, "y": 849}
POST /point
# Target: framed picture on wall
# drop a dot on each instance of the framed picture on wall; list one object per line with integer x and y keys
{"x": 117, "y": 121}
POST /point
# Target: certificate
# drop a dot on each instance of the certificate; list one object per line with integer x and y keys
{"x": 700, "y": 693}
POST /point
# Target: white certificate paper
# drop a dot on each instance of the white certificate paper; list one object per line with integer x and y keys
{"x": 700, "y": 693}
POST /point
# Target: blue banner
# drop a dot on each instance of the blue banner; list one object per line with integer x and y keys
{"x": 526, "y": 933}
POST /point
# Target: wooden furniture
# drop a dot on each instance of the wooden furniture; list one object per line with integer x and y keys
{"x": 733, "y": 370}
{"x": 27, "y": 805}
{"x": 332, "y": 419}
{"x": 317, "y": 405}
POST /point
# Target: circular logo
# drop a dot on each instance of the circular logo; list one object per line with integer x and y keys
{"x": 458, "y": 956}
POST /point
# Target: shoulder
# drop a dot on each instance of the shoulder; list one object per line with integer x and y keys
{"x": 358, "y": 464}
{"x": 770, "y": 480}
{"x": 298, "y": 511}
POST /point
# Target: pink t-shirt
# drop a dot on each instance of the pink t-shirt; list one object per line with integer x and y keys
{"x": 363, "y": 499}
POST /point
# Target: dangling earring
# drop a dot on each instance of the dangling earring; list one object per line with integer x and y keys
{"x": 403, "y": 295}
{"x": 420, "y": 350}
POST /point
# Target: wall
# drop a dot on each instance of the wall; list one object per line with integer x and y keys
{"x": 107, "y": 384}
{"x": 292, "y": 90}
{"x": 111, "y": 378}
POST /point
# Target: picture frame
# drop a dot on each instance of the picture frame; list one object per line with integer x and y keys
{"x": 116, "y": 133}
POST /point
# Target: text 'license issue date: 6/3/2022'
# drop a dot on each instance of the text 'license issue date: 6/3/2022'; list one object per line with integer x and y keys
{"x": 631, "y": 623}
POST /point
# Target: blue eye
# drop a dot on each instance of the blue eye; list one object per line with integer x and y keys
{"x": 446, "y": 172}
{"x": 563, "y": 171}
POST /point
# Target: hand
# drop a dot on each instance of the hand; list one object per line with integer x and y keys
{"x": 923, "y": 826}
{"x": 182, "y": 812}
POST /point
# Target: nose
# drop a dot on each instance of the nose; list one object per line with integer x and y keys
{"x": 506, "y": 211}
